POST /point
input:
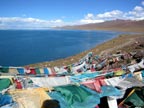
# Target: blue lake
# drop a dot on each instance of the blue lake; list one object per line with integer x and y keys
{"x": 22, "y": 47}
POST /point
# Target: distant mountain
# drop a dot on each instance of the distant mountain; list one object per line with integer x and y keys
{"x": 116, "y": 25}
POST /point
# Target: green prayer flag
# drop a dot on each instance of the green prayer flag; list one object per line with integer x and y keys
{"x": 4, "y": 83}
{"x": 135, "y": 100}
{"x": 73, "y": 93}
{"x": 37, "y": 71}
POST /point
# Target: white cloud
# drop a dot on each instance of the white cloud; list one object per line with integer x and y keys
{"x": 110, "y": 15}
{"x": 136, "y": 14}
{"x": 56, "y": 21}
{"x": 86, "y": 21}
{"x": 19, "y": 22}
{"x": 89, "y": 16}
{"x": 138, "y": 8}
{"x": 19, "y": 19}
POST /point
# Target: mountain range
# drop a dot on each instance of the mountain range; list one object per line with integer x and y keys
{"x": 113, "y": 25}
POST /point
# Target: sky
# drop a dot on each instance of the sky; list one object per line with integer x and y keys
{"x": 35, "y": 14}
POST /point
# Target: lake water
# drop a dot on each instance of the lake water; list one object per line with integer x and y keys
{"x": 22, "y": 47}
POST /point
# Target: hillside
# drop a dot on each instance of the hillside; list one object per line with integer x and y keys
{"x": 114, "y": 25}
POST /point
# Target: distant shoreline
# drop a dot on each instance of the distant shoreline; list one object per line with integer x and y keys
{"x": 113, "y": 25}
{"x": 122, "y": 42}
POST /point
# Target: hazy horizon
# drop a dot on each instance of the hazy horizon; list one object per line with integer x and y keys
{"x": 43, "y": 14}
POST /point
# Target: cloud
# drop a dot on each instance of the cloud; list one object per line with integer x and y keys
{"x": 56, "y": 21}
{"x": 138, "y": 8}
{"x": 89, "y": 18}
{"x": 136, "y": 14}
{"x": 111, "y": 14}
{"x": 86, "y": 21}
{"x": 20, "y": 22}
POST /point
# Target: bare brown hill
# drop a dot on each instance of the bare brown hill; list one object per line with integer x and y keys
{"x": 114, "y": 25}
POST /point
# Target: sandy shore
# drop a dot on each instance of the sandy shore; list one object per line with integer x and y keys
{"x": 123, "y": 42}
